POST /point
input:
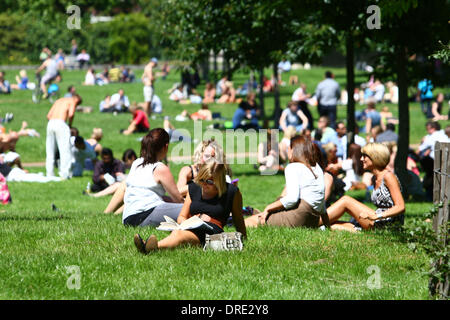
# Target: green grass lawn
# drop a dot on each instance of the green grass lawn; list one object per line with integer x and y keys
{"x": 38, "y": 244}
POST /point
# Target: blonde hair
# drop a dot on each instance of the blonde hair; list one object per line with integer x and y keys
{"x": 97, "y": 134}
{"x": 218, "y": 157}
{"x": 290, "y": 132}
{"x": 378, "y": 153}
{"x": 23, "y": 73}
{"x": 329, "y": 147}
{"x": 229, "y": 84}
{"x": 217, "y": 172}
{"x": 376, "y": 131}
{"x": 133, "y": 107}
{"x": 198, "y": 152}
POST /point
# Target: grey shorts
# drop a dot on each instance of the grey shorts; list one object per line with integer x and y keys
{"x": 169, "y": 209}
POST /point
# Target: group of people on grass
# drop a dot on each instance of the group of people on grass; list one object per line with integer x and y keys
{"x": 205, "y": 189}
{"x": 313, "y": 160}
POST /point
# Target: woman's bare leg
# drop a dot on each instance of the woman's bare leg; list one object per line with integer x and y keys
{"x": 119, "y": 211}
{"x": 255, "y": 220}
{"x": 117, "y": 199}
{"x": 352, "y": 207}
{"x": 177, "y": 238}
{"x": 110, "y": 190}
{"x": 346, "y": 226}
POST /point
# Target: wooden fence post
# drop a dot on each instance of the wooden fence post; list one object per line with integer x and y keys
{"x": 441, "y": 194}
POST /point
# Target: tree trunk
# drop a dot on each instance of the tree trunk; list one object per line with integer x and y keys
{"x": 229, "y": 70}
{"x": 215, "y": 67}
{"x": 252, "y": 81}
{"x": 403, "y": 115}
{"x": 205, "y": 69}
{"x": 261, "y": 93}
{"x": 349, "y": 61}
{"x": 276, "y": 96}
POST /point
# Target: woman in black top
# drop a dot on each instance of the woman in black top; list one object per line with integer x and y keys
{"x": 210, "y": 198}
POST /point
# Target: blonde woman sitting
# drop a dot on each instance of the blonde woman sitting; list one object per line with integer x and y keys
{"x": 386, "y": 196}
{"x": 210, "y": 198}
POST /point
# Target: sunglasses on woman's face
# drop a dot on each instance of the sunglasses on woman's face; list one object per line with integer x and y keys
{"x": 207, "y": 181}
{"x": 365, "y": 155}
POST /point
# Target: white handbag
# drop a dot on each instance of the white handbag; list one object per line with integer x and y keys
{"x": 225, "y": 241}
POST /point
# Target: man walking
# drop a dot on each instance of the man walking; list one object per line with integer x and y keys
{"x": 328, "y": 94}
{"x": 58, "y": 134}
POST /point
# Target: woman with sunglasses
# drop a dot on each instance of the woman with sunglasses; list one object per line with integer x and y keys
{"x": 148, "y": 181}
{"x": 386, "y": 196}
{"x": 212, "y": 199}
{"x": 304, "y": 201}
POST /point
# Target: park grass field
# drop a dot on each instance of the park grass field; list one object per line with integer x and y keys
{"x": 38, "y": 244}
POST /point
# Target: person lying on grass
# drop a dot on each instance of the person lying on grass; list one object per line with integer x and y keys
{"x": 386, "y": 196}
{"x": 304, "y": 200}
{"x": 210, "y": 198}
{"x": 147, "y": 182}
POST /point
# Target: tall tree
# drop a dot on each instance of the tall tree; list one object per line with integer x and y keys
{"x": 409, "y": 28}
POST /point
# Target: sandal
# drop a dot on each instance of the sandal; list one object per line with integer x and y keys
{"x": 151, "y": 244}
{"x": 139, "y": 243}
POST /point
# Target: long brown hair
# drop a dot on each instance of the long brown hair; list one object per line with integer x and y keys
{"x": 303, "y": 152}
{"x": 354, "y": 153}
{"x": 152, "y": 144}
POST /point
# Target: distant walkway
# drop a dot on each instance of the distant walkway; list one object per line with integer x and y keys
{"x": 180, "y": 159}
{"x": 188, "y": 159}
{"x": 95, "y": 66}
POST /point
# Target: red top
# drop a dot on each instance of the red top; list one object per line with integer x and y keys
{"x": 140, "y": 118}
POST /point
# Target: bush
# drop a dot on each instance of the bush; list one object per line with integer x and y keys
{"x": 12, "y": 39}
{"x": 126, "y": 39}
{"x": 130, "y": 38}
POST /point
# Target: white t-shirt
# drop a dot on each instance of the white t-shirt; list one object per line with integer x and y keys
{"x": 156, "y": 104}
{"x": 296, "y": 95}
{"x": 350, "y": 175}
{"x": 431, "y": 139}
{"x": 176, "y": 95}
{"x": 119, "y": 102}
{"x": 89, "y": 79}
{"x": 301, "y": 184}
{"x": 143, "y": 192}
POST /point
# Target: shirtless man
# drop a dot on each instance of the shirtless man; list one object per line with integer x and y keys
{"x": 148, "y": 78}
{"x": 58, "y": 134}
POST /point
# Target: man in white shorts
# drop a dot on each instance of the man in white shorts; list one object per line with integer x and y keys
{"x": 58, "y": 135}
{"x": 148, "y": 78}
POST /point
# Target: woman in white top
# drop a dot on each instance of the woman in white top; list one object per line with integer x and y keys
{"x": 89, "y": 79}
{"x": 303, "y": 203}
{"x": 147, "y": 183}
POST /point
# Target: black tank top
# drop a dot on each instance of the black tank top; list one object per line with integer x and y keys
{"x": 217, "y": 208}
